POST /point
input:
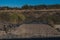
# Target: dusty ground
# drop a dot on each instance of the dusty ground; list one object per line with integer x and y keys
{"x": 31, "y": 30}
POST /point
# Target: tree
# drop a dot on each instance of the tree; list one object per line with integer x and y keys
{"x": 27, "y": 7}
{"x": 40, "y": 7}
{"x": 55, "y": 6}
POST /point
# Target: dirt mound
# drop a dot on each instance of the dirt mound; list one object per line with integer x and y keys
{"x": 35, "y": 30}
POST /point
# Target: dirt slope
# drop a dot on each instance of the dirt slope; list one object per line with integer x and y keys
{"x": 35, "y": 30}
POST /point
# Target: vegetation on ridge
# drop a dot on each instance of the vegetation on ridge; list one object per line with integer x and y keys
{"x": 36, "y": 7}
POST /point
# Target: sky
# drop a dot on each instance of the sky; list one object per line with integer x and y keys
{"x": 20, "y": 3}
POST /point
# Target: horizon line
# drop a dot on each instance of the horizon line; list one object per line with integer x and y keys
{"x": 28, "y": 5}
